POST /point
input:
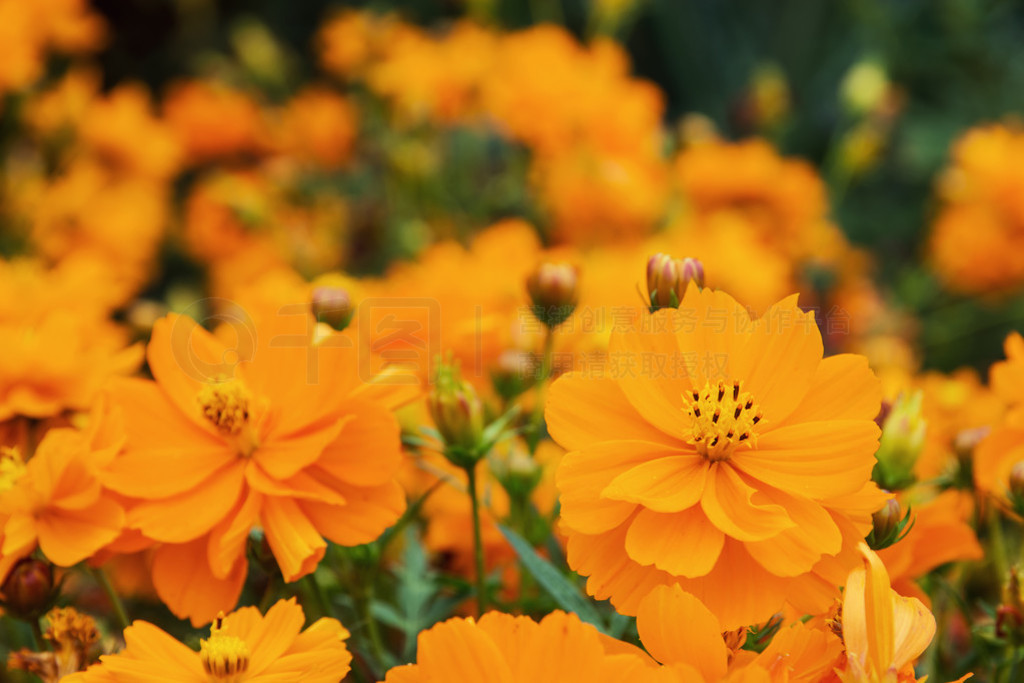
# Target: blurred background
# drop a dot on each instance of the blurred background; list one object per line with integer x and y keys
{"x": 874, "y": 95}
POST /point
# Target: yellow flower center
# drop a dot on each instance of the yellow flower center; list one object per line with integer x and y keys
{"x": 724, "y": 417}
{"x": 225, "y": 658}
{"x": 226, "y": 404}
{"x": 11, "y": 468}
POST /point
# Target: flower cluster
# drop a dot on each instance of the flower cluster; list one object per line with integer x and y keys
{"x": 449, "y": 352}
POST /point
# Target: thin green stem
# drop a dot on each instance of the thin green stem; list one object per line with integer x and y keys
{"x": 115, "y": 600}
{"x": 319, "y": 596}
{"x": 269, "y": 593}
{"x": 999, "y": 554}
{"x": 372, "y": 627}
{"x": 546, "y": 363}
{"x": 478, "y": 544}
{"x": 37, "y": 635}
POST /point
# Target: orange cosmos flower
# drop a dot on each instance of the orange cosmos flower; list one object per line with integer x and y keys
{"x": 55, "y": 502}
{"x": 213, "y": 121}
{"x": 943, "y": 517}
{"x": 501, "y": 648}
{"x": 998, "y": 453}
{"x": 884, "y": 633}
{"x": 283, "y": 435}
{"x": 320, "y": 126}
{"x": 243, "y": 647}
{"x": 688, "y": 640}
{"x": 719, "y": 453}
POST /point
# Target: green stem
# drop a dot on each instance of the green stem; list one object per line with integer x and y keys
{"x": 478, "y": 544}
{"x": 999, "y": 555}
{"x": 268, "y": 595}
{"x": 319, "y": 596}
{"x": 37, "y": 635}
{"x": 372, "y": 627}
{"x": 115, "y": 600}
{"x": 546, "y": 363}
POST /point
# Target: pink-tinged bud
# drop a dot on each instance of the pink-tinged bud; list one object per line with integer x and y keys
{"x": 1016, "y": 484}
{"x": 554, "y": 291}
{"x": 668, "y": 279}
{"x": 333, "y": 306}
{"x": 28, "y": 590}
{"x": 458, "y": 415}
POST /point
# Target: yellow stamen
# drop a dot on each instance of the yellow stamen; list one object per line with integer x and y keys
{"x": 226, "y": 404}
{"x": 724, "y": 418}
{"x": 225, "y": 658}
{"x": 11, "y": 468}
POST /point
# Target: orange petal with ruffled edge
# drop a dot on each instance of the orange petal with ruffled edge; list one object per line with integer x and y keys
{"x": 184, "y": 582}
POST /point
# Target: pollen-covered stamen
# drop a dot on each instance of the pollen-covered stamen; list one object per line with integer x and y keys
{"x": 724, "y": 417}
{"x": 227, "y": 405}
{"x": 11, "y": 468}
{"x": 225, "y": 658}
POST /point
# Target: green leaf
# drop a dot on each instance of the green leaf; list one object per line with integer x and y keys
{"x": 561, "y": 589}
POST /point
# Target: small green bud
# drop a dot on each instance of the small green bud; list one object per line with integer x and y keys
{"x": 901, "y": 443}
{"x": 890, "y": 525}
{"x": 458, "y": 415}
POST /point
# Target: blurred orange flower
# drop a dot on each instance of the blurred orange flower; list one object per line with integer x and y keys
{"x": 719, "y": 453}
{"x": 213, "y": 121}
{"x": 975, "y": 237}
{"x": 54, "y": 501}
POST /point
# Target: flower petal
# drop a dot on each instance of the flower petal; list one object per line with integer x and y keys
{"x": 738, "y": 509}
{"x": 293, "y": 538}
{"x": 676, "y": 628}
{"x": 669, "y": 484}
{"x": 818, "y": 460}
{"x": 680, "y": 543}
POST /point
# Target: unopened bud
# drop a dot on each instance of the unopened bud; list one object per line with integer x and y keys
{"x": 901, "y": 443}
{"x": 554, "y": 292}
{"x": 458, "y": 415}
{"x": 889, "y": 525}
{"x": 333, "y": 306}
{"x": 28, "y": 590}
{"x": 514, "y": 373}
{"x": 516, "y": 470}
{"x": 668, "y": 279}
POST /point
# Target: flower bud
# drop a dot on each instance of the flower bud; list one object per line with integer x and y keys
{"x": 514, "y": 373}
{"x": 333, "y": 306}
{"x": 864, "y": 87}
{"x": 458, "y": 415}
{"x": 28, "y": 590}
{"x": 889, "y": 525}
{"x": 554, "y": 292}
{"x": 516, "y": 470}
{"x": 668, "y": 278}
{"x": 901, "y": 443}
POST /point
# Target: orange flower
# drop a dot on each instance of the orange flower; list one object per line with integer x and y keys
{"x": 122, "y": 128}
{"x": 319, "y": 125}
{"x": 243, "y": 647}
{"x": 884, "y": 633}
{"x": 945, "y": 517}
{"x": 59, "y": 348}
{"x": 501, "y": 648}
{"x": 687, "y": 639}
{"x": 55, "y": 502}
{"x": 213, "y": 121}
{"x": 719, "y": 453}
{"x": 998, "y": 453}
{"x": 784, "y": 198}
{"x": 278, "y": 432}
{"x": 974, "y": 238}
